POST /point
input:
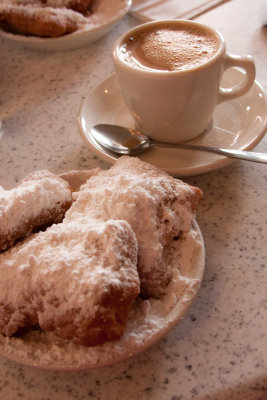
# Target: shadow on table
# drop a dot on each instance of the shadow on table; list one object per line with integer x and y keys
{"x": 251, "y": 390}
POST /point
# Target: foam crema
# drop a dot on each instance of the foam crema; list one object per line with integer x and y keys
{"x": 169, "y": 47}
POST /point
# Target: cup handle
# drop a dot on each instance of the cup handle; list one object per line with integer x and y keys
{"x": 247, "y": 64}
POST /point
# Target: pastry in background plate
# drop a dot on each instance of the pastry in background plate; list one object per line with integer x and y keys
{"x": 40, "y": 199}
{"x": 50, "y": 18}
{"x": 81, "y": 6}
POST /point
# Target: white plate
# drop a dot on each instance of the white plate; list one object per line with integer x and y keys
{"x": 106, "y": 13}
{"x": 148, "y": 322}
{"x": 238, "y": 124}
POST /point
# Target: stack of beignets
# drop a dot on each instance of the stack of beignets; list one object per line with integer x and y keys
{"x": 80, "y": 277}
{"x": 45, "y": 18}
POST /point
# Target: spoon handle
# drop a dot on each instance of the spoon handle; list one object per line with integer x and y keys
{"x": 240, "y": 154}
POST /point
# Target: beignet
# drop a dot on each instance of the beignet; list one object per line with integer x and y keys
{"x": 158, "y": 207}
{"x": 40, "y": 199}
{"x": 45, "y": 18}
{"x": 78, "y": 279}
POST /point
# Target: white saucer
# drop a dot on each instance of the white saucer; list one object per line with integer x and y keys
{"x": 238, "y": 124}
{"x": 106, "y": 13}
{"x": 148, "y": 322}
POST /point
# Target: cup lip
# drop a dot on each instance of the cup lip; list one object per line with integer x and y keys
{"x": 221, "y": 50}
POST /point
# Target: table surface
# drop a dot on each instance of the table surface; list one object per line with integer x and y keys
{"x": 218, "y": 351}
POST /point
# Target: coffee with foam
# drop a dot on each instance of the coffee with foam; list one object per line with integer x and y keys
{"x": 170, "y": 74}
{"x": 169, "y": 48}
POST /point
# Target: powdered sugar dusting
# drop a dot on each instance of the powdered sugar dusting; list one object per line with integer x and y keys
{"x": 41, "y": 194}
{"x": 69, "y": 276}
{"x": 157, "y": 207}
{"x": 148, "y": 321}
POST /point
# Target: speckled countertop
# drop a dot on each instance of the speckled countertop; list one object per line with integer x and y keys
{"x": 219, "y": 350}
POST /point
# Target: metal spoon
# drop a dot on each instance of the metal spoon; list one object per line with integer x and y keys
{"x": 123, "y": 140}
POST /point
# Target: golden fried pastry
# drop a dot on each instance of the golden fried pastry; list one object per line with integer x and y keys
{"x": 45, "y": 18}
{"x": 45, "y": 22}
{"x": 77, "y": 279}
{"x": 158, "y": 207}
{"x": 39, "y": 200}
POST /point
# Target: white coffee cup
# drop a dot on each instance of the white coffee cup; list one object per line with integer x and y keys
{"x": 170, "y": 74}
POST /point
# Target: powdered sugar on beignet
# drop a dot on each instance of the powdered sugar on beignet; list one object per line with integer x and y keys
{"x": 120, "y": 237}
{"x": 78, "y": 279}
{"x": 158, "y": 207}
{"x": 40, "y": 199}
